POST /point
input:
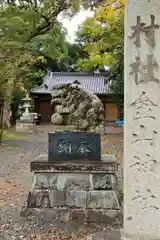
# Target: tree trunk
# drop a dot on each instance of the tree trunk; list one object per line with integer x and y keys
{"x": 6, "y": 116}
{"x": 1, "y": 119}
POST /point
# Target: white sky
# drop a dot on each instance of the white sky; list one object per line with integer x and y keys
{"x": 73, "y": 24}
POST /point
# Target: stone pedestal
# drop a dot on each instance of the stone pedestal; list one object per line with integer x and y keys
{"x": 142, "y": 121}
{"x": 87, "y": 191}
{"x": 24, "y": 126}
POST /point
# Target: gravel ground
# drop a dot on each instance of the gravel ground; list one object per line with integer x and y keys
{"x": 16, "y": 179}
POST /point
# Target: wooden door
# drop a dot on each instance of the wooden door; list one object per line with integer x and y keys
{"x": 45, "y": 110}
{"x": 111, "y": 113}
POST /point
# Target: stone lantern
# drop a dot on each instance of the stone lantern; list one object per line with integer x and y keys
{"x": 25, "y": 124}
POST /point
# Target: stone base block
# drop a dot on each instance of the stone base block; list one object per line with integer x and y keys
{"x": 102, "y": 200}
{"x": 71, "y": 199}
{"x": 94, "y": 216}
{"x": 24, "y": 126}
{"x": 80, "y": 217}
{"x": 71, "y": 181}
{"x": 106, "y": 235}
{"x": 86, "y": 190}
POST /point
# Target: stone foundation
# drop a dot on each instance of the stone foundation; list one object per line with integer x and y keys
{"x": 87, "y": 191}
{"x": 74, "y": 128}
{"x": 24, "y": 126}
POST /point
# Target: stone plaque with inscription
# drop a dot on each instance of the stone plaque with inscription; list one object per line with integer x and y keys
{"x": 70, "y": 146}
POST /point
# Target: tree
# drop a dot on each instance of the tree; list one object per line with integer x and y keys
{"x": 50, "y": 51}
{"x": 42, "y": 15}
{"x": 102, "y": 39}
{"x": 26, "y": 21}
{"x": 100, "y": 36}
{"x": 24, "y": 24}
{"x": 117, "y": 78}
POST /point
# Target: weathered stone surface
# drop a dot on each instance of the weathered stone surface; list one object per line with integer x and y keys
{"x": 102, "y": 200}
{"x": 78, "y": 216}
{"x": 100, "y": 129}
{"x": 46, "y": 181}
{"x": 106, "y": 235}
{"x": 142, "y": 120}
{"x": 70, "y": 188}
{"x": 24, "y": 126}
{"x": 71, "y": 181}
{"x": 104, "y": 181}
{"x": 86, "y": 167}
{"x": 84, "y": 216}
{"x": 39, "y": 199}
{"x": 57, "y": 119}
{"x": 103, "y": 216}
{"x": 76, "y": 199}
{"x": 84, "y": 109}
{"x": 57, "y": 198}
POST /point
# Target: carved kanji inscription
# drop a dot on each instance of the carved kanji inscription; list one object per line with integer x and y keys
{"x": 142, "y": 136}
{"x": 144, "y": 73}
{"x": 136, "y": 70}
{"x": 146, "y": 197}
{"x": 137, "y": 29}
{"x": 149, "y": 31}
{"x": 148, "y": 70}
{"x": 146, "y": 163}
{"x": 143, "y": 100}
{"x": 144, "y": 108}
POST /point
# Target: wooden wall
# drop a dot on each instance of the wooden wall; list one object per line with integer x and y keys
{"x": 42, "y": 105}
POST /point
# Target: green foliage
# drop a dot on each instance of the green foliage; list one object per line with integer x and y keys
{"x": 17, "y": 94}
{"x": 100, "y": 35}
{"x": 102, "y": 39}
{"x": 25, "y": 25}
{"x": 31, "y": 40}
{"x": 117, "y": 77}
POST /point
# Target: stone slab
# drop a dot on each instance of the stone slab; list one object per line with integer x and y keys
{"x": 24, "y": 126}
{"x": 39, "y": 199}
{"x": 76, "y": 199}
{"x": 107, "y": 217}
{"x": 72, "y": 181}
{"x": 104, "y": 216}
{"x": 45, "y": 181}
{"x": 72, "y": 146}
{"x": 60, "y": 198}
{"x": 79, "y": 199}
{"x": 104, "y": 157}
{"x": 102, "y": 200}
{"x": 24, "y": 121}
{"x": 57, "y": 198}
{"x": 78, "y": 167}
{"x": 80, "y": 217}
{"x": 106, "y": 235}
{"x": 103, "y": 181}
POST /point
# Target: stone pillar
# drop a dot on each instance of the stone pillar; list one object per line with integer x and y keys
{"x": 142, "y": 121}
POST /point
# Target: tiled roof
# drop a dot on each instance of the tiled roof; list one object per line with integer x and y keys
{"x": 94, "y": 83}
